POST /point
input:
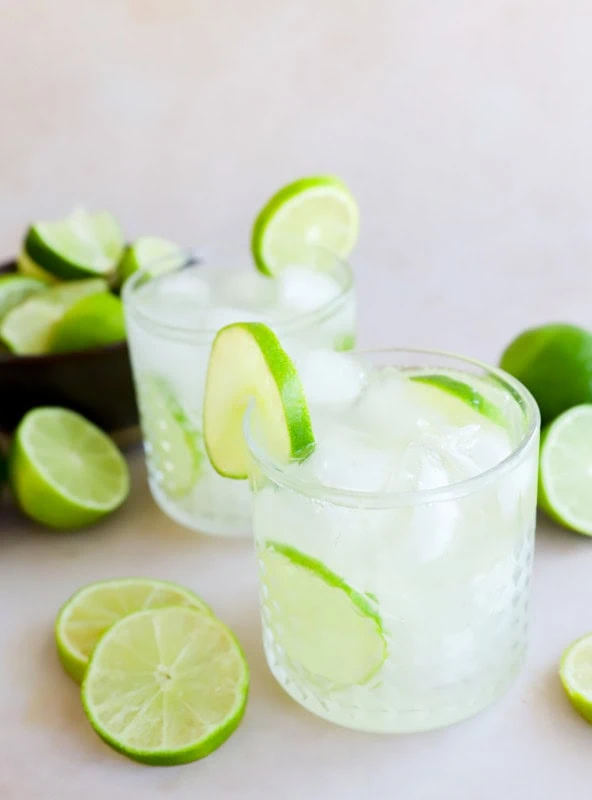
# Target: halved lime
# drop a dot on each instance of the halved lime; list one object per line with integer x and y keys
{"x": 575, "y": 673}
{"x": 247, "y": 363}
{"x": 555, "y": 363}
{"x": 27, "y": 267}
{"x": 94, "y": 321}
{"x": 148, "y": 250}
{"x": 166, "y": 686}
{"x": 64, "y": 471}
{"x": 565, "y": 468}
{"x": 323, "y": 624}
{"x": 92, "y": 610}
{"x": 464, "y": 392}
{"x": 174, "y": 447}
{"x": 28, "y": 328}
{"x": 80, "y": 246}
{"x": 311, "y": 215}
{"x": 14, "y": 289}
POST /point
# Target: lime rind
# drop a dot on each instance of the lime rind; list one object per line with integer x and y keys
{"x": 577, "y": 678}
{"x": 150, "y": 250}
{"x": 28, "y": 268}
{"x": 464, "y": 392}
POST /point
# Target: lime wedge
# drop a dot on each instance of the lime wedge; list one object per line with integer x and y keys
{"x": 64, "y": 471}
{"x": 324, "y": 625}
{"x": 575, "y": 673}
{"x": 26, "y": 266}
{"x": 94, "y": 321}
{"x": 174, "y": 448}
{"x": 80, "y": 246}
{"x": 28, "y": 328}
{"x": 307, "y": 217}
{"x": 14, "y": 289}
{"x": 147, "y": 251}
{"x": 166, "y": 686}
{"x": 248, "y": 363}
{"x": 465, "y": 393}
{"x": 92, "y": 610}
{"x": 555, "y": 363}
{"x": 564, "y": 469}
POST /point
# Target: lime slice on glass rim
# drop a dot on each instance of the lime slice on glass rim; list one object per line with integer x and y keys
{"x": 302, "y": 221}
{"x": 247, "y": 363}
{"x": 92, "y": 610}
{"x": 173, "y": 445}
{"x": 64, "y": 471}
{"x": 172, "y": 697}
{"x": 324, "y": 625}
{"x": 575, "y": 672}
{"x": 564, "y": 469}
{"x": 14, "y": 289}
{"x": 82, "y": 245}
{"x": 147, "y": 250}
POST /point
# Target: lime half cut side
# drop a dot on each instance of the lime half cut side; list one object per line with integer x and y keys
{"x": 324, "y": 625}
{"x": 575, "y": 673}
{"x": 14, "y": 289}
{"x": 150, "y": 251}
{"x": 166, "y": 686}
{"x": 64, "y": 471}
{"x": 565, "y": 469}
{"x": 248, "y": 364}
{"x": 92, "y": 610}
{"x": 302, "y": 221}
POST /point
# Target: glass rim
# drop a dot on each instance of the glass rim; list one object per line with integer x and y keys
{"x": 316, "y": 490}
{"x": 191, "y": 257}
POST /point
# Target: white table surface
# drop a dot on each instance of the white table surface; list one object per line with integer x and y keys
{"x": 464, "y": 130}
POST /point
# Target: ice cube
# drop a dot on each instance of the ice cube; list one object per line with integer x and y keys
{"x": 186, "y": 285}
{"x": 302, "y": 289}
{"x": 216, "y": 318}
{"x": 177, "y": 299}
{"x": 329, "y": 378}
{"x": 246, "y": 289}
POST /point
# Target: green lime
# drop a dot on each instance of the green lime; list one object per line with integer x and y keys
{"x": 82, "y": 245}
{"x": 565, "y": 467}
{"x": 575, "y": 673}
{"x": 149, "y": 250}
{"x": 27, "y": 267}
{"x": 64, "y": 471}
{"x": 28, "y": 328}
{"x": 323, "y": 624}
{"x": 14, "y": 289}
{"x": 92, "y": 610}
{"x": 464, "y": 392}
{"x": 247, "y": 363}
{"x": 304, "y": 219}
{"x": 555, "y": 363}
{"x": 94, "y": 321}
{"x": 174, "y": 447}
{"x": 166, "y": 686}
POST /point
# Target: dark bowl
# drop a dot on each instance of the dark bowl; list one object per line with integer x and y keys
{"x": 97, "y": 383}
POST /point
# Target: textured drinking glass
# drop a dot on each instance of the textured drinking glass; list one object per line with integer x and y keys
{"x": 172, "y": 316}
{"x": 443, "y": 574}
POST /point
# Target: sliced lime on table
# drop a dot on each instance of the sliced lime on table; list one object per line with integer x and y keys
{"x": 147, "y": 251}
{"x": 565, "y": 469}
{"x": 467, "y": 394}
{"x": 28, "y": 328}
{"x": 310, "y": 216}
{"x": 64, "y": 471}
{"x": 94, "y": 321}
{"x": 92, "y": 610}
{"x": 14, "y": 289}
{"x": 323, "y": 624}
{"x": 27, "y": 267}
{"x": 576, "y": 675}
{"x": 82, "y": 245}
{"x": 247, "y": 363}
{"x": 166, "y": 686}
{"x": 174, "y": 446}
{"x": 555, "y": 363}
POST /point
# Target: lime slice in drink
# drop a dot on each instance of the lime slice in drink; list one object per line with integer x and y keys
{"x": 14, "y": 289}
{"x": 82, "y": 245}
{"x": 92, "y": 610}
{"x": 564, "y": 469}
{"x": 94, "y": 321}
{"x": 555, "y": 363}
{"x": 166, "y": 686}
{"x": 575, "y": 672}
{"x": 324, "y": 625}
{"x": 248, "y": 363}
{"x": 174, "y": 447}
{"x": 147, "y": 251}
{"x": 308, "y": 216}
{"x": 27, "y": 267}
{"x": 64, "y": 471}
{"x": 468, "y": 395}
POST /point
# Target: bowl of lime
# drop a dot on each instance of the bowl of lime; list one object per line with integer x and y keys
{"x": 62, "y": 330}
